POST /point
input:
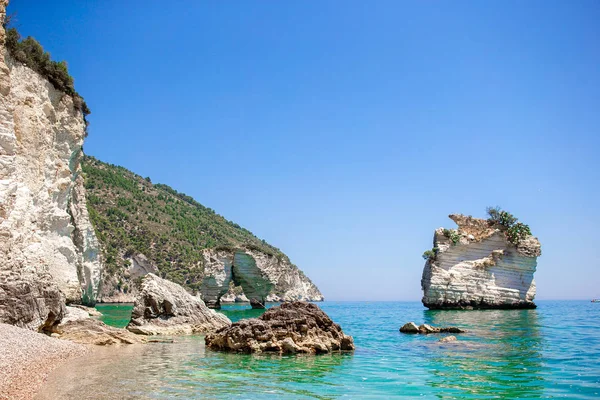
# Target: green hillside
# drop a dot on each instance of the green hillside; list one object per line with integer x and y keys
{"x": 131, "y": 215}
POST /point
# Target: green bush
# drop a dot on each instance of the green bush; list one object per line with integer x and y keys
{"x": 517, "y": 232}
{"x": 514, "y": 230}
{"x": 430, "y": 254}
{"x": 501, "y": 217}
{"x": 453, "y": 235}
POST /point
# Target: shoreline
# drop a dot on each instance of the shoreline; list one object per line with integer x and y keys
{"x": 28, "y": 357}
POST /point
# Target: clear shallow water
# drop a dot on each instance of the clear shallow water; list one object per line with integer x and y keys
{"x": 553, "y": 351}
{"x": 115, "y": 314}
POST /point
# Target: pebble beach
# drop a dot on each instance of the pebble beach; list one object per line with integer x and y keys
{"x": 26, "y": 359}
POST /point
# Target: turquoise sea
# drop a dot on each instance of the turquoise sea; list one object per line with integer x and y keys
{"x": 552, "y": 351}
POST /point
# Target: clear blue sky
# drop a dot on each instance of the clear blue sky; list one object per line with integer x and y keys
{"x": 345, "y": 132}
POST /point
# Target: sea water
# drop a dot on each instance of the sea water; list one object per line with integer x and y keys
{"x": 552, "y": 351}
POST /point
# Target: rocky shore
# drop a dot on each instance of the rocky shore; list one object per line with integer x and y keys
{"x": 27, "y": 358}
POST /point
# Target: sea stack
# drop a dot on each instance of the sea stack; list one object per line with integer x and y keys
{"x": 484, "y": 263}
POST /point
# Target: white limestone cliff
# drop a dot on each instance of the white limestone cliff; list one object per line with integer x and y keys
{"x": 263, "y": 277}
{"x": 482, "y": 270}
{"x": 48, "y": 250}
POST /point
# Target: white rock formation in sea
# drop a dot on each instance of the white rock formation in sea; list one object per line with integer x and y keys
{"x": 48, "y": 250}
{"x": 481, "y": 270}
{"x": 163, "y": 307}
{"x": 263, "y": 277}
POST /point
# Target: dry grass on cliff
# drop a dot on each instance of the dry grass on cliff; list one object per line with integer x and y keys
{"x": 26, "y": 359}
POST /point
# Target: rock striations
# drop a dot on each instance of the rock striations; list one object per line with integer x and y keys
{"x": 296, "y": 327}
{"x": 165, "y": 308}
{"x": 262, "y": 277}
{"x": 48, "y": 250}
{"x": 476, "y": 266}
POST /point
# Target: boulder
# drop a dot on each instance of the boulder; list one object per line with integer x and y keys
{"x": 409, "y": 327}
{"x": 290, "y": 328}
{"x": 91, "y": 331}
{"x": 165, "y": 308}
{"x": 425, "y": 329}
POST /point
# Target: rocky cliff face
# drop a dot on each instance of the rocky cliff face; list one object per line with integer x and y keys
{"x": 48, "y": 251}
{"x": 263, "y": 277}
{"x": 476, "y": 266}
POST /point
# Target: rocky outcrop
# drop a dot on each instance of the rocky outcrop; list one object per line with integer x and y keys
{"x": 48, "y": 254}
{"x": 165, "y": 308}
{"x": 263, "y": 277}
{"x": 476, "y": 266}
{"x": 234, "y": 296}
{"x": 296, "y": 327}
{"x": 425, "y": 329}
{"x": 92, "y": 331}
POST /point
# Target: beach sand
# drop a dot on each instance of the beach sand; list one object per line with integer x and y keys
{"x": 26, "y": 359}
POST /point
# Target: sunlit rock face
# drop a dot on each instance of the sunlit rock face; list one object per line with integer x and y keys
{"x": 482, "y": 270}
{"x": 48, "y": 250}
{"x": 163, "y": 307}
{"x": 263, "y": 278}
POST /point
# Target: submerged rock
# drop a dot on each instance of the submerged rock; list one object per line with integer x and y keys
{"x": 476, "y": 266}
{"x": 447, "y": 339}
{"x": 165, "y": 308}
{"x": 296, "y": 327}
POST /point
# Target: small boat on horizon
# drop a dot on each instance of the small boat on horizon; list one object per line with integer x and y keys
{"x": 595, "y": 300}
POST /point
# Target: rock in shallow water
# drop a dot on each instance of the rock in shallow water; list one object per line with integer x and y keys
{"x": 165, "y": 308}
{"x": 411, "y": 327}
{"x": 296, "y": 327}
{"x": 447, "y": 339}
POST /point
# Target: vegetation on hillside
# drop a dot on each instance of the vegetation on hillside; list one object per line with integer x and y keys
{"x": 131, "y": 215}
{"x": 31, "y": 53}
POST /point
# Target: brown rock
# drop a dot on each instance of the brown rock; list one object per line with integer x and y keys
{"x": 92, "y": 331}
{"x": 409, "y": 327}
{"x": 295, "y": 327}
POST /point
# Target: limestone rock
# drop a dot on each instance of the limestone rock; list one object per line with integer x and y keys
{"x": 231, "y": 297}
{"x": 74, "y": 314}
{"x": 263, "y": 277}
{"x": 47, "y": 252}
{"x": 426, "y": 329}
{"x": 295, "y": 327}
{"x": 92, "y": 312}
{"x": 447, "y": 339}
{"x": 482, "y": 270}
{"x": 409, "y": 327}
{"x": 165, "y": 308}
{"x": 92, "y": 331}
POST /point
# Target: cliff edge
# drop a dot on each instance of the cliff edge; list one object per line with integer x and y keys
{"x": 481, "y": 264}
{"x": 48, "y": 250}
